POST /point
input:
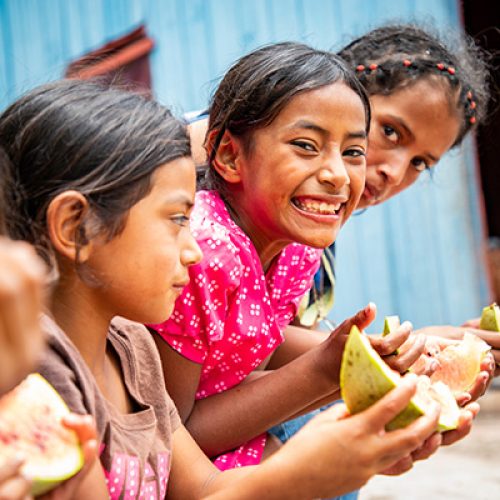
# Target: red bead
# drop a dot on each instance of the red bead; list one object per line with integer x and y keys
{"x": 406, "y": 62}
{"x": 440, "y": 66}
{"x": 451, "y": 70}
{"x": 473, "y": 104}
{"x": 373, "y": 66}
{"x": 360, "y": 67}
{"x": 472, "y": 119}
{"x": 469, "y": 95}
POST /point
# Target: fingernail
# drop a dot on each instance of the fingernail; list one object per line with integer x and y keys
{"x": 407, "y": 324}
{"x": 434, "y": 365}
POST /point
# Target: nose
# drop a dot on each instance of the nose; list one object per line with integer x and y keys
{"x": 191, "y": 252}
{"x": 394, "y": 169}
{"x": 334, "y": 172}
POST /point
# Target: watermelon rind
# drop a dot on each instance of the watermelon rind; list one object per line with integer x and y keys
{"x": 365, "y": 378}
{"x": 53, "y": 453}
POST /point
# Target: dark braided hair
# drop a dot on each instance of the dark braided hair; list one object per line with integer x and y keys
{"x": 397, "y": 56}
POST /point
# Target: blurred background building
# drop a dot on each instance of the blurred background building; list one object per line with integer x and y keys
{"x": 421, "y": 255}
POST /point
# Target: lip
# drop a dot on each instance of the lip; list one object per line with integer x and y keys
{"x": 370, "y": 193}
{"x": 180, "y": 285}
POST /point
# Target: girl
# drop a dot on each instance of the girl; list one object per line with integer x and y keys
{"x": 102, "y": 184}
{"x": 286, "y": 146}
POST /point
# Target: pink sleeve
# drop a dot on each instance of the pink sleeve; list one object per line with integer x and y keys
{"x": 298, "y": 263}
{"x": 200, "y": 312}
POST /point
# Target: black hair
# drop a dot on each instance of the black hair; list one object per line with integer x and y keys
{"x": 393, "y": 57}
{"x": 260, "y": 84}
{"x": 72, "y": 135}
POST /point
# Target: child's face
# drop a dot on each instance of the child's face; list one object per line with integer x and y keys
{"x": 304, "y": 173}
{"x": 144, "y": 268}
{"x": 410, "y": 130}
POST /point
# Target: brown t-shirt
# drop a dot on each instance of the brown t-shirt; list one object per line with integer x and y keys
{"x": 135, "y": 448}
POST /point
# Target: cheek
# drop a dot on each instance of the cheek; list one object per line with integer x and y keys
{"x": 357, "y": 178}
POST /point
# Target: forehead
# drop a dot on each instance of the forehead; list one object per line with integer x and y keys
{"x": 335, "y": 101}
{"x": 430, "y": 96}
{"x": 425, "y": 107}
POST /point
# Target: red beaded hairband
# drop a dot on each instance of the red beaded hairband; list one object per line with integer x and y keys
{"x": 471, "y": 104}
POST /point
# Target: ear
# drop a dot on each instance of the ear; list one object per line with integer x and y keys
{"x": 227, "y": 158}
{"x": 65, "y": 217}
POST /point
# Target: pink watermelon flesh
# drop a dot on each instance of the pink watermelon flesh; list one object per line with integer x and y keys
{"x": 30, "y": 426}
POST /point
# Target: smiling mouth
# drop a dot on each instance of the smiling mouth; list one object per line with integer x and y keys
{"x": 318, "y": 207}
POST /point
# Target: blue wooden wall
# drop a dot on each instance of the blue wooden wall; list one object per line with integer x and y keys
{"x": 419, "y": 256}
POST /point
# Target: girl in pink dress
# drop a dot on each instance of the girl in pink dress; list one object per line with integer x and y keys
{"x": 286, "y": 145}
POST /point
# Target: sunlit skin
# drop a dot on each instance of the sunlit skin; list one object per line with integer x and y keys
{"x": 142, "y": 282}
{"x": 303, "y": 174}
{"x": 411, "y": 129}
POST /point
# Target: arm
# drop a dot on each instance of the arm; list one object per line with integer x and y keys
{"x": 226, "y": 420}
{"x": 332, "y": 455}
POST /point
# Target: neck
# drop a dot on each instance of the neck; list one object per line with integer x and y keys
{"x": 267, "y": 246}
{"x": 76, "y": 311}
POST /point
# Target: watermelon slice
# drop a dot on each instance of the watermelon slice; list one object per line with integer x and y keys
{"x": 365, "y": 378}
{"x": 30, "y": 425}
{"x": 490, "y": 318}
{"x": 391, "y": 324}
{"x": 460, "y": 364}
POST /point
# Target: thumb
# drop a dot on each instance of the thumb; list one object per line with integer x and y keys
{"x": 361, "y": 319}
{"x": 393, "y": 403}
{"x": 336, "y": 412}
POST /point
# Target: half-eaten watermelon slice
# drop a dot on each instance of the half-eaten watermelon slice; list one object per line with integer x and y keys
{"x": 30, "y": 425}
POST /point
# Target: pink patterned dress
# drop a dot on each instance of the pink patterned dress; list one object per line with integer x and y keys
{"x": 231, "y": 315}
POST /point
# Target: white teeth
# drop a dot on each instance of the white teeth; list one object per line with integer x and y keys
{"x": 321, "y": 208}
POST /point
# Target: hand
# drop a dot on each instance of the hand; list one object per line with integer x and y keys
{"x": 336, "y": 453}
{"x": 493, "y": 339}
{"x": 401, "y": 348}
{"x": 84, "y": 427}
{"x": 22, "y": 276}
{"x": 482, "y": 382}
{"x": 13, "y": 485}
{"x": 330, "y": 351}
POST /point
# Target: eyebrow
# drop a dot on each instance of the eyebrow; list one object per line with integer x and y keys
{"x": 409, "y": 132}
{"x": 304, "y": 124}
{"x": 178, "y": 199}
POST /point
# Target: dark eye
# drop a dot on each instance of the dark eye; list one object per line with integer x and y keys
{"x": 305, "y": 145}
{"x": 355, "y": 153}
{"x": 390, "y": 133}
{"x": 180, "y": 220}
{"x": 419, "y": 164}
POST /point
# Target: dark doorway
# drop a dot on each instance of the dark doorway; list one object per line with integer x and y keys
{"x": 482, "y": 22}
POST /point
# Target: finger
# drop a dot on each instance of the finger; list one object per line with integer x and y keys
{"x": 429, "y": 447}
{"x": 10, "y": 468}
{"x": 400, "y": 467}
{"x": 83, "y": 425}
{"x": 480, "y": 385}
{"x": 361, "y": 319}
{"x": 15, "y": 487}
{"x": 402, "y": 362}
{"x": 472, "y": 323}
{"x": 386, "y": 346}
{"x": 464, "y": 425}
